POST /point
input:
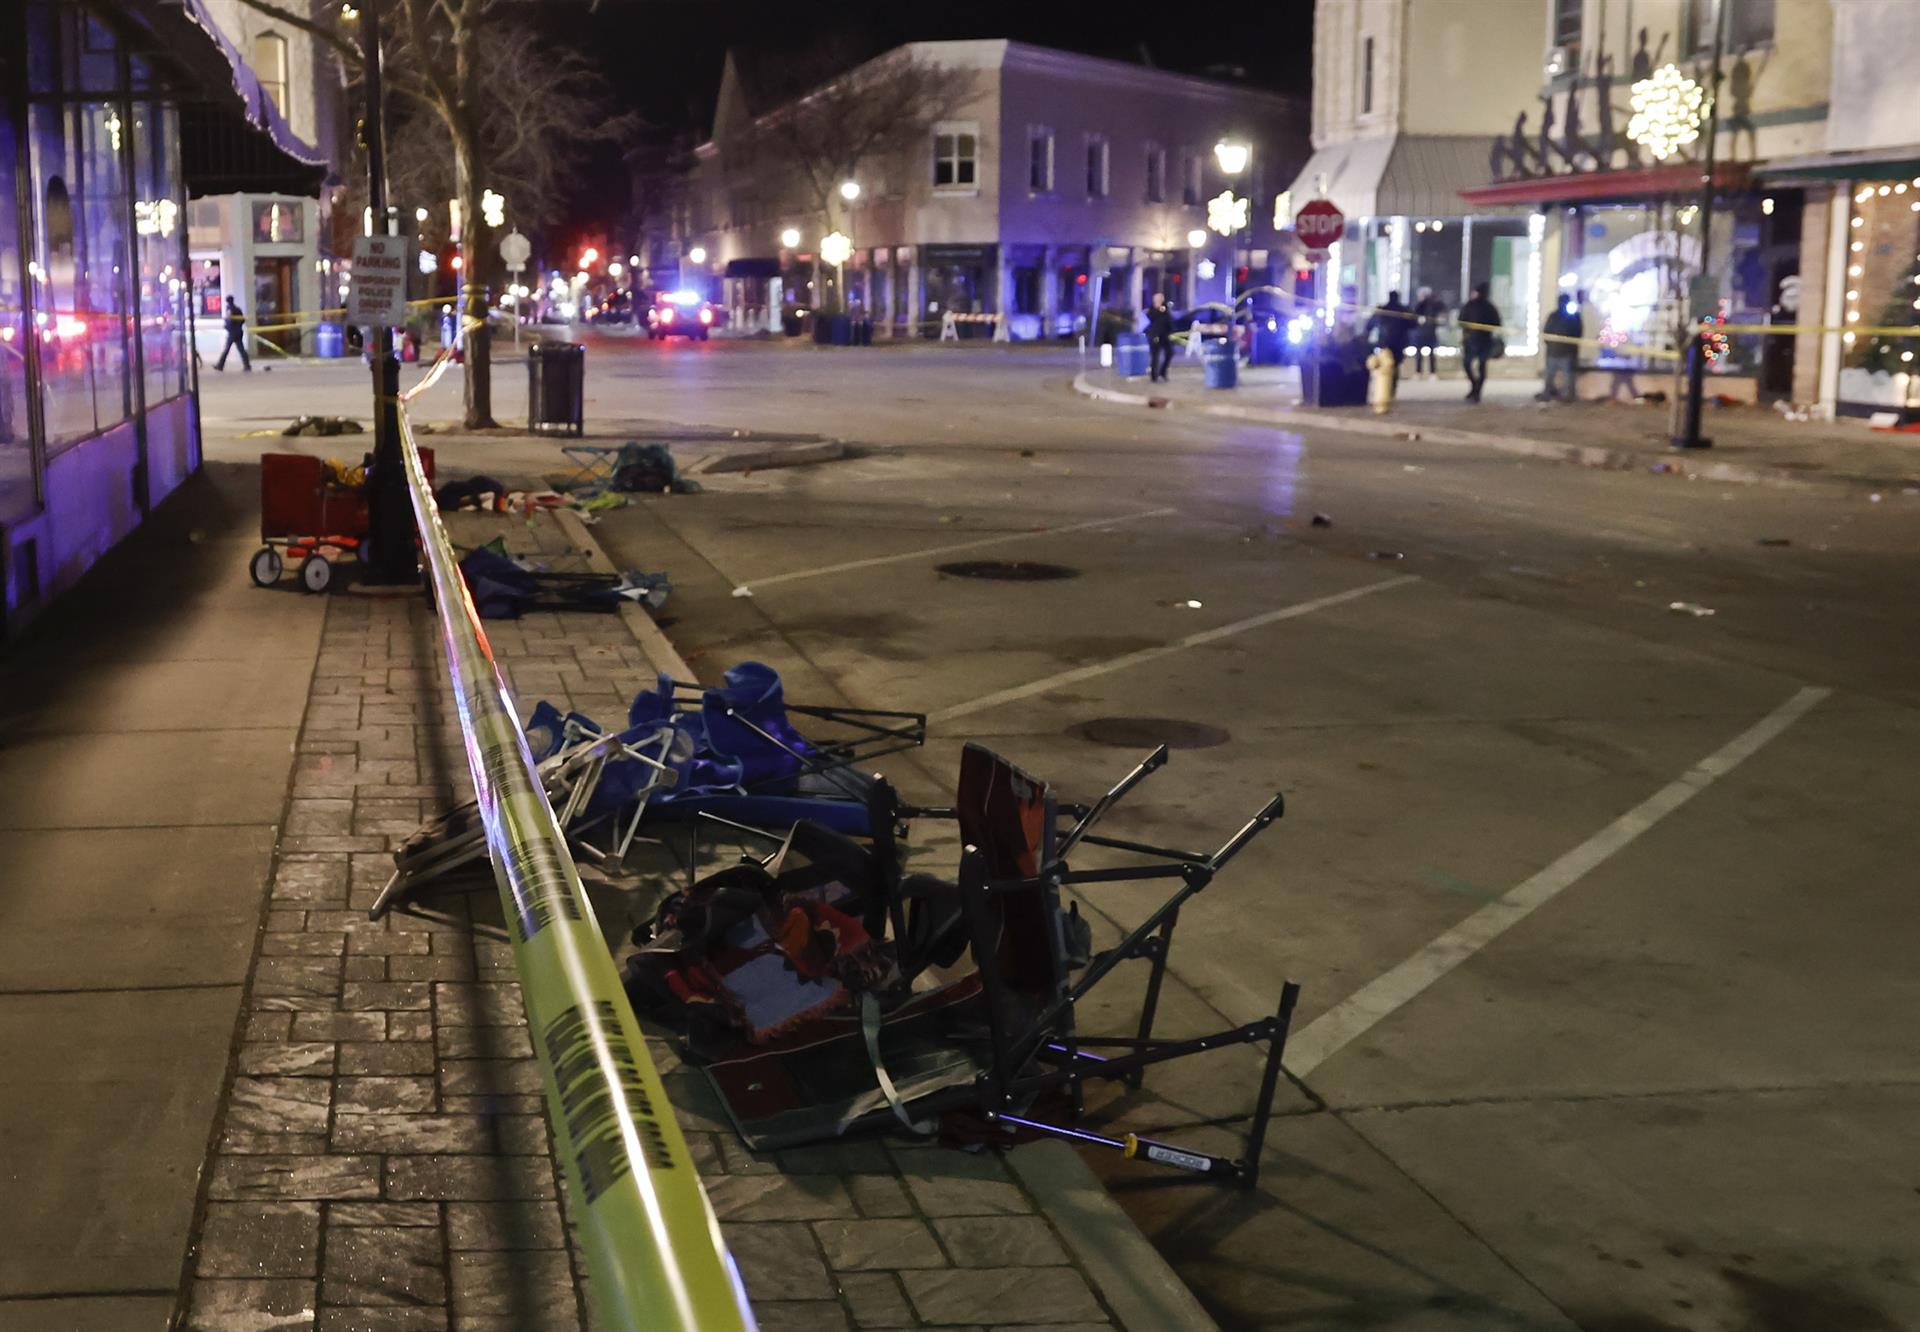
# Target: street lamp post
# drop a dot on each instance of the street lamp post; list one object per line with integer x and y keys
{"x": 850, "y": 191}
{"x": 1689, "y": 436}
{"x": 389, "y": 506}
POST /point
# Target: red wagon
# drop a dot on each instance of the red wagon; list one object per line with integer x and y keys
{"x": 311, "y": 518}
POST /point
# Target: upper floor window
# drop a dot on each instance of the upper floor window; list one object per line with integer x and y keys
{"x": 1749, "y": 23}
{"x": 1366, "y": 76}
{"x": 1566, "y": 22}
{"x": 1040, "y": 159}
{"x": 270, "y": 64}
{"x": 1098, "y": 162}
{"x": 1156, "y": 173}
{"x": 1190, "y": 168}
{"x": 956, "y": 156}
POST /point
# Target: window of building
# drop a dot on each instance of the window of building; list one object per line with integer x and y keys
{"x": 1566, "y": 22}
{"x": 270, "y": 63}
{"x": 1040, "y": 160}
{"x": 1098, "y": 164}
{"x": 1366, "y": 76}
{"x": 1190, "y": 167}
{"x": 163, "y": 292}
{"x": 1156, "y": 173}
{"x": 955, "y": 156}
{"x": 1749, "y": 23}
{"x": 17, "y": 490}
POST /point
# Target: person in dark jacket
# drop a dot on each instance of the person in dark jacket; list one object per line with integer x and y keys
{"x": 1428, "y": 311}
{"x": 1159, "y": 337}
{"x": 236, "y": 324}
{"x": 1476, "y": 343}
{"x": 1563, "y": 358}
{"x": 1391, "y": 328}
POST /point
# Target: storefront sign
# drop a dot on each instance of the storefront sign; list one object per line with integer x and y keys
{"x": 378, "y": 296}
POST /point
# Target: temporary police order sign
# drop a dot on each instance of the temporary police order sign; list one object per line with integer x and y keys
{"x": 378, "y": 296}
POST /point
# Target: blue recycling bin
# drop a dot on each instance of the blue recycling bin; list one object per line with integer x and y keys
{"x": 1217, "y": 366}
{"x": 329, "y": 340}
{"x": 1130, "y": 353}
{"x": 1269, "y": 341}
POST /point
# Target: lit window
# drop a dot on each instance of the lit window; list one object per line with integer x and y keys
{"x": 270, "y": 63}
{"x": 955, "y": 155}
{"x": 1040, "y": 160}
{"x": 1098, "y": 162}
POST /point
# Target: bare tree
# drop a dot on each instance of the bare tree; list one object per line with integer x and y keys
{"x": 508, "y": 109}
{"x": 871, "y": 115}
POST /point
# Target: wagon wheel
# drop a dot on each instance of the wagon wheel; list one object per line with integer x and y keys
{"x": 265, "y": 567}
{"x": 316, "y": 575}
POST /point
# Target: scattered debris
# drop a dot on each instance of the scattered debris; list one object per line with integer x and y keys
{"x": 1321, "y": 520}
{"x": 1793, "y": 411}
{"x": 1026, "y": 453}
{"x": 1387, "y": 555}
{"x": 1411, "y": 436}
{"x": 1412, "y": 467}
{"x": 742, "y": 591}
{"x": 1776, "y": 541}
{"x": 505, "y": 588}
{"x": 1664, "y": 468}
{"x": 469, "y": 493}
{"x": 325, "y": 425}
{"x": 1874, "y": 498}
{"x": 1698, "y": 612}
{"x": 648, "y": 469}
{"x": 1156, "y": 402}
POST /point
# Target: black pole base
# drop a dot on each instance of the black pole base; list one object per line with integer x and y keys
{"x": 1682, "y": 442}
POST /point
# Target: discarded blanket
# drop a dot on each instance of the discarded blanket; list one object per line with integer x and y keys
{"x": 648, "y": 468}
{"x": 504, "y": 588}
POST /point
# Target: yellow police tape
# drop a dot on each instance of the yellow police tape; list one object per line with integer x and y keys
{"x": 655, "y": 1256}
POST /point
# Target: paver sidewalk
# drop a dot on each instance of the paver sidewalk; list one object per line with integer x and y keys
{"x": 382, "y": 1159}
{"x": 1750, "y": 444}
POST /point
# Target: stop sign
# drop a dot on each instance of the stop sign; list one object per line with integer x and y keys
{"x": 1319, "y": 224}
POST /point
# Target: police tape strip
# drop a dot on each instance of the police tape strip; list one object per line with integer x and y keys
{"x": 654, "y": 1252}
{"x": 333, "y": 316}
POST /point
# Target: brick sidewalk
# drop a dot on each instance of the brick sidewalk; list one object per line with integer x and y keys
{"x": 382, "y": 1162}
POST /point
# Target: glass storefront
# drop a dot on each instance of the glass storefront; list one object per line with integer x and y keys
{"x": 1880, "y": 353}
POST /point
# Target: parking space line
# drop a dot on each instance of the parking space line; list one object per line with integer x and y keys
{"x": 1145, "y": 655}
{"x": 878, "y": 560}
{"x": 1353, "y": 1016}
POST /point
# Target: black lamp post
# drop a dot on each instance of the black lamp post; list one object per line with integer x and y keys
{"x": 1690, "y": 436}
{"x": 389, "y": 507}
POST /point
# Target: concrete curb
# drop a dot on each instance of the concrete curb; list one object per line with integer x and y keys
{"x": 1127, "y": 1272}
{"x": 760, "y": 460}
{"x": 659, "y": 652}
{"x": 1582, "y": 455}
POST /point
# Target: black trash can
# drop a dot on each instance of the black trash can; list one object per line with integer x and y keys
{"x": 557, "y": 387}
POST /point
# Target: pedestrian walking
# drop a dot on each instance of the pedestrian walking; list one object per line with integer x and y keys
{"x": 1428, "y": 311}
{"x": 236, "y": 324}
{"x": 1159, "y": 337}
{"x": 1478, "y": 318}
{"x": 1563, "y": 357}
{"x": 1391, "y": 328}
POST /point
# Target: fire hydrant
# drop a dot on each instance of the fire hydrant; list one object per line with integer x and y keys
{"x": 1380, "y": 381}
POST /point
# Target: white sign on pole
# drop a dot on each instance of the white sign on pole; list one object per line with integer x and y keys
{"x": 515, "y": 249}
{"x": 378, "y": 296}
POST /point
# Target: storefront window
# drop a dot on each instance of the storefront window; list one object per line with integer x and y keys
{"x": 80, "y": 244}
{"x": 1635, "y": 264}
{"x": 156, "y": 224}
{"x": 17, "y": 493}
{"x": 1880, "y": 371}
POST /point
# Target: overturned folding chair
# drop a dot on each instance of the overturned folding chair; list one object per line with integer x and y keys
{"x": 571, "y": 775}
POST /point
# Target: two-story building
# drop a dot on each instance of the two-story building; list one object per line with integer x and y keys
{"x": 1609, "y": 147}
{"x": 1409, "y": 101}
{"x": 1057, "y": 185}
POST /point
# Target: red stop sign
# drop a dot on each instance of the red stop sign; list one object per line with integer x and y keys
{"x": 1319, "y": 224}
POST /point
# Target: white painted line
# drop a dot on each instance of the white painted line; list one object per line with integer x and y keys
{"x": 747, "y": 589}
{"x": 1334, "y": 1029}
{"x": 1145, "y": 655}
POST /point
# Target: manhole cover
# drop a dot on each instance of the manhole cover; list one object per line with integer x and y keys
{"x": 1147, "y": 732}
{"x": 1008, "y": 571}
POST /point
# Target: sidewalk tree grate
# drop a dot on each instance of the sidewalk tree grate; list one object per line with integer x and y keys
{"x": 1147, "y": 732}
{"x": 1008, "y": 571}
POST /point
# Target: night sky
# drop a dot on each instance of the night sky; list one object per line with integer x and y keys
{"x": 663, "y": 57}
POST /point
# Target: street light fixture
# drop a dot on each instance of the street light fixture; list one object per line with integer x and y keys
{"x": 419, "y": 215}
{"x": 790, "y": 237}
{"x": 849, "y": 190}
{"x": 1233, "y": 157}
{"x": 698, "y": 254}
{"x": 1197, "y": 237}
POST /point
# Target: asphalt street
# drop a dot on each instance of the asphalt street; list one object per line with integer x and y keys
{"x": 1602, "y": 910}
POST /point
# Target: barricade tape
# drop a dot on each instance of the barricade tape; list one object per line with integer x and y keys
{"x": 655, "y": 1256}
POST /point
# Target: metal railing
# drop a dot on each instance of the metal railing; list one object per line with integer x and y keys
{"x": 654, "y": 1253}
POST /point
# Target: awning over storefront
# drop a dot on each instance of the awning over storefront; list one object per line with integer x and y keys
{"x": 1677, "y": 180}
{"x": 232, "y": 136}
{"x": 753, "y": 268}
{"x": 1890, "y": 163}
{"x": 1400, "y": 175}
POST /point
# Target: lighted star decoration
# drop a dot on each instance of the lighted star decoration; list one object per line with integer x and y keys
{"x": 1667, "y": 108}
{"x": 1226, "y": 214}
{"x": 1206, "y": 268}
{"x": 835, "y": 248}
